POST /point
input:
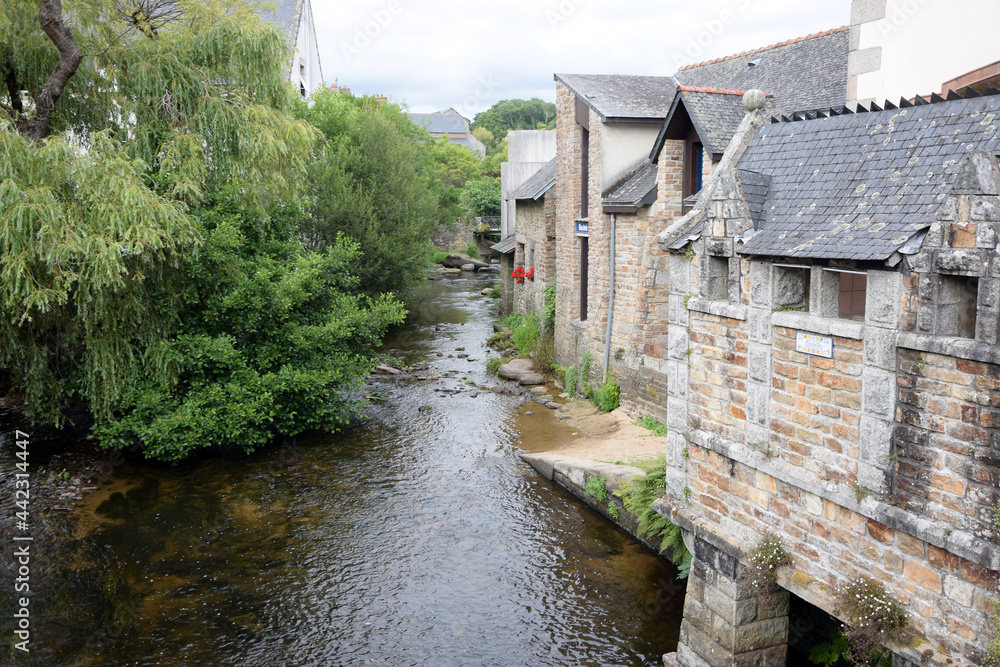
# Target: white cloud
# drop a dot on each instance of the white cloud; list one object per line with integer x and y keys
{"x": 433, "y": 54}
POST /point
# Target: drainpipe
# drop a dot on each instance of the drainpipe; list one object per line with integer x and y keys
{"x": 611, "y": 299}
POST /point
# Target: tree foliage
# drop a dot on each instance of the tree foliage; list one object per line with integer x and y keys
{"x": 508, "y": 115}
{"x": 274, "y": 340}
{"x": 368, "y": 184}
{"x": 482, "y": 196}
{"x": 154, "y": 278}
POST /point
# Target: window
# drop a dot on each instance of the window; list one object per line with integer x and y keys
{"x": 956, "y": 307}
{"x": 791, "y": 287}
{"x": 694, "y": 156}
{"x": 584, "y": 270}
{"x": 851, "y": 295}
{"x": 531, "y": 255}
{"x": 717, "y": 280}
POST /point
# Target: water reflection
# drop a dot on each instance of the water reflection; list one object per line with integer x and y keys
{"x": 414, "y": 538}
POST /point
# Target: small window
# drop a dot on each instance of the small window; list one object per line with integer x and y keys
{"x": 791, "y": 287}
{"x": 851, "y": 296}
{"x": 956, "y": 306}
{"x": 717, "y": 282}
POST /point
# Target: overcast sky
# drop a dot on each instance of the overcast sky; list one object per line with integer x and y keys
{"x": 434, "y": 54}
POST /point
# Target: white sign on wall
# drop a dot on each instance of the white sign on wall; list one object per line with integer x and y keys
{"x": 821, "y": 346}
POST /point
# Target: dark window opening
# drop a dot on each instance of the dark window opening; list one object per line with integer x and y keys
{"x": 694, "y": 164}
{"x": 851, "y": 296}
{"x": 957, "y": 306}
{"x": 584, "y": 270}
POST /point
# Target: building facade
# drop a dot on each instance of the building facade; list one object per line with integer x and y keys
{"x": 833, "y": 375}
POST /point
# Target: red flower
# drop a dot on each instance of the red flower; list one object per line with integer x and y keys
{"x": 518, "y": 274}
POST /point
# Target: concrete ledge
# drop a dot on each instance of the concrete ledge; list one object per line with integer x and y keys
{"x": 825, "y": 326}
{"x": 963, "y": 348}
{"x": 959, "y": 542}
{"x": 571, "y": 474}
{"x": 553, "y": 466}
{"x": 734, "y": 311}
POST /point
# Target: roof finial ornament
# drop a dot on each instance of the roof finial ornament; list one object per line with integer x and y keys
{"x": 754, "y": 100}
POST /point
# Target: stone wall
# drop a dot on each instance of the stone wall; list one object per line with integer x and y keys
{"x": 882, "y": 459}
{"x": 535, "y": 249}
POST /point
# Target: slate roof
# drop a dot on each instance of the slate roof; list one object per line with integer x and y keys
{"x": 636, "y": 191}
{"x": 505, "y": 246}
{"x": 716, "y": 114}
{"x": 285, "y": 15}
{"x": 858, "y": 186}
{"x": 439, "y": 123}
{"x": 805, "y": 73}
{"x": 755, "y": 187}
{"x": 538, "y": 184}
{"x": 621, "y": 97}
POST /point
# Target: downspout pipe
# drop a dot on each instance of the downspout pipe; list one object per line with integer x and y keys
{"x": 611, "y": 299}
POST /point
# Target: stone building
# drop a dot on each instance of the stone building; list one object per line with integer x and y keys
{"x": 833, "y": 374}
{"x": 534, "y": 247}
{"x": 630, "y": 152}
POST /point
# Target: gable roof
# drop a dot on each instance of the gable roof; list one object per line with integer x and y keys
{"x": 616, "y": 97}
{"x": 440, "y": 123}
{"x": 638, "y": 191}
{"x": 858, "y": 186}
{"x": 715, "y": 114}
{"x": 538, "y": 184}
{"x": 805, "y": 73}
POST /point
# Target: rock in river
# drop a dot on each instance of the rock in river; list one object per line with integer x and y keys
{"x": 531, "y": 378}
{"x": 515, "y": 368}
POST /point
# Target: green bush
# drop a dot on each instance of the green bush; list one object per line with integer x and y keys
{"x": 549, "y": 307}
{"x": 525, "y": 334}
{"x": 472, "y": 250}
{"x": 585, "y": 374}
{"x": 649, "y": 422}
{"x": 544, "y": 352}
{"x": 493, "y": 363}
{"x": 496, "y": 291}
{"x": 275, "y": 340}
{"x": 569, "y": 381}
{"x": 607, "y": 396}
{"x": 435, "y": 256}
{"x": 638, "y": 494}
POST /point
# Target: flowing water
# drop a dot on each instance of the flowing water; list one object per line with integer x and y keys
{"x": 416, "y": 537}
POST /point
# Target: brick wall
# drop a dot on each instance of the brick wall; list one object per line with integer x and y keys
{"x": 536, "y": 224}
{"x": 948, "y": 441}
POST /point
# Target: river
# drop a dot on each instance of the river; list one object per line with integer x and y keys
{"x": 415, "y": 537}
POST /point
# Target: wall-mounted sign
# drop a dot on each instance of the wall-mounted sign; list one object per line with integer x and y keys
{"x": 582, "y": 227}
{"x": 821, "y": 346}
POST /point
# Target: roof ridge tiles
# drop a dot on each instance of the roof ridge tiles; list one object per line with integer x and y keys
{"x": 717, "y": 91}
{"x": 765, "y": 48}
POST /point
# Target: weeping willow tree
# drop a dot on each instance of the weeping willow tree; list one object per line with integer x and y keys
{"x": 119, "y": 119}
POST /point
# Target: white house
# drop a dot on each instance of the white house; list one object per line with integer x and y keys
{"x": 295, "y": 17}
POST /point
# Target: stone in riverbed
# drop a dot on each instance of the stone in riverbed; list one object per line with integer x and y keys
{"x": 530, "y": 378}
{"x": 515, "y": 368}
{"x": 468, "y": 267}
{"x": 539, "y": 390}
